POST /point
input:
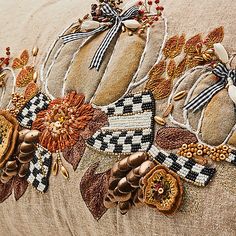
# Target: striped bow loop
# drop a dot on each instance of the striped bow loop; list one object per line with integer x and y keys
{"x": 206, "y": 95}
{"x": 115, "y": 26}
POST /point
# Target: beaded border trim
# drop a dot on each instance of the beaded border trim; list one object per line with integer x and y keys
{"x": 186, "y": 168}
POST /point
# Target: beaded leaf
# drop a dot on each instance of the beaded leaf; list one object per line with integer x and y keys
{"x": 160, "y": 88}
{"x": 180, "y": 68}
{"x": 22, "y": 61}
{"x": 157, "y": 70}
{"x": 174, "y": 46}
{"x": 25, "y": 76}
{"x": 171, "y": 69}
{"x": 31, "y": 90}
{"x": 5, "y": 190}
{"x": 20, "y": 185}
{"x": 191, "y": 45}
{"x": 215, "y": 36}
{"x": 93, "y": 189}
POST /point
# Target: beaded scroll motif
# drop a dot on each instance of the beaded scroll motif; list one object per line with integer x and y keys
{"x": 157, "y": 148}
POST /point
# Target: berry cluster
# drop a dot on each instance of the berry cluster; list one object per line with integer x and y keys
{"x": 4, "y": 61}
{"x": 146, "y": 17}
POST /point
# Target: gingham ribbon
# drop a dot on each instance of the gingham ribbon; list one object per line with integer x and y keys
{"x": 116, "y": 23}
{"x": 206, "y": 95}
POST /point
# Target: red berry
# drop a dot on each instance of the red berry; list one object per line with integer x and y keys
{"x": 157, "y": 8}
{"x": 8, "y": 53}
{"x": 157, "y": 1}
{"x": 140, "y": 3}
{"x": 156, "y": 18}
{"x": 161, "y": 8}
{"x": 149, "y": 2}
{"x": 141, "y": 12}
{"x": 8, "y": 49}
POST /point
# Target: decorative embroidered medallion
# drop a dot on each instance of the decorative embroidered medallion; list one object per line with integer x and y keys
{"x": 162, "y": 189}
{"x": 8, "y": 136}
{"x": 39, "y": 170}
{"x": 130, "y": 125}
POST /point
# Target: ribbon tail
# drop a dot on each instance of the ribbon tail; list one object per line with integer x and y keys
{"x": 97, "y": 58}
{"x": 80, "y": 35}
{"x": 204, "y": 97}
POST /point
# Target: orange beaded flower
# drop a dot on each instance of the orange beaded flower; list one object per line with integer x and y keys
{"x": 63, "y": 121}
{"x": 162, "y": 189}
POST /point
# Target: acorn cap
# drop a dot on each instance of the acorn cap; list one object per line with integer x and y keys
{"x": 23, "y": 170}
{"x": 27, "y": 147}
{"x": 111, "y": 196}
{"x": 123, "y": 165}
{"x": 124, "y": 186}
{"x": 124, "y": 207}
{"x": 112, "y": 184}
{"x": 146, "y": 167}
{"x": 25, "y": 157}
{"x": 22, "y": 134}
{"x": 32, "y": 136}
{"x": 11, "y": 165}
{"x": 136, "y": 171}
{"x": 121, "y": 196}
{"x": 108, "y": 203}
{"x": 137, "y": 159}
{"x": 116, "y": 172}
{"x": 5, "y": 178}
{"x": 11, "y": 172}
{"x": 132, "y": 178}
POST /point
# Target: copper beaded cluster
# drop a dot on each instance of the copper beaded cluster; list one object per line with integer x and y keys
{"x": 18, "y": 101}
{"x": 195, "y": 150}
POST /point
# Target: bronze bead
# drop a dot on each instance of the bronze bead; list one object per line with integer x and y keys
{"x": 121, "y": 196}
{"x": 11, "y": 165}
{"x": 25, "y": 157}
{"x": 32, "y": 136}
{"x": 116, "y": 172}
{"x": 27, "y": 147}
{"x": 137, "y": 159}
{"x": 124, "y": 186}
{"x": 146, "y": 167}
{"x": 23, "y": 170}
{"x": 124, "y": 206}
{"x": 113, "y": 183}
{"x": 108, "y": 203}
{"x": 123, "y": 165}
{"x": 22, "y": 134}
{"x": 199, "y": 152}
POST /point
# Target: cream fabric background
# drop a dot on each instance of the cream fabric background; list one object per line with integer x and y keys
{"x": 206, "y": 211}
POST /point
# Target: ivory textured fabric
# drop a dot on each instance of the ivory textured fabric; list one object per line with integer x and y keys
{"x": 62, "y": 211}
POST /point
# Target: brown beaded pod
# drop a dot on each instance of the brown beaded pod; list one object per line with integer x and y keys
{"x": 123, "y": 190}
{"x": 18, "y": 163}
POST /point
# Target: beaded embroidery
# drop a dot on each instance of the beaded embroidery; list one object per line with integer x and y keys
{"x": 39, "y": 170}
{"x": 130, "y": 126}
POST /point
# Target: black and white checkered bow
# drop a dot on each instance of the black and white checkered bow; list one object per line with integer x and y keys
{"x": 116, "y": 22}
{"x": 206, "y": 95}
